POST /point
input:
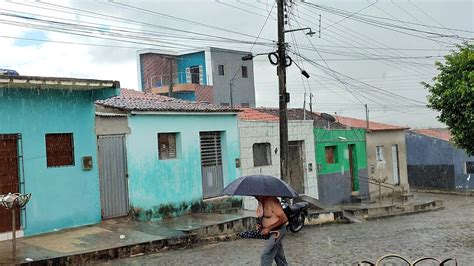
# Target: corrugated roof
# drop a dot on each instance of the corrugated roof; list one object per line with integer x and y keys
{"x": 249, "y": 114}
{"x": 132, "y": 100}
{"x": 439, "y": 133}
{"x": 359, "y": 123}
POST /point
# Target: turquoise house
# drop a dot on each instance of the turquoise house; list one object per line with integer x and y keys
{"x": 178, "y": 153}
{"x": 48, "y": 149}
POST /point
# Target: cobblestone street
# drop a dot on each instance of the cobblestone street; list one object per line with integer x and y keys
{"x": 442, "y": 234}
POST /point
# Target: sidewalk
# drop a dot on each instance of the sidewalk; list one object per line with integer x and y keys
{"x": 119, "y": 238}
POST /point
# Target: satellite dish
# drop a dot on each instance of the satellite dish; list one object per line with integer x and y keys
{"x": 328, "y": 117}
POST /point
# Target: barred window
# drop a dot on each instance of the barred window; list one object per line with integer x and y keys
{"x": 166, "y": 146}
{"x": 59, "y": 150}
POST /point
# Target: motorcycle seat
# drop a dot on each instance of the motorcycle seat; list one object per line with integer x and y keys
{"x": 299, "y": 206}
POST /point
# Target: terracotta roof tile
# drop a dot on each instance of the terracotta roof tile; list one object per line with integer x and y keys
{"x": 249, "y": 114}
{"x": 132, "y": 100}
{"x": 298, "y": 114}
{"x": 439, "y": 133}
{"x": 359, "y": 123}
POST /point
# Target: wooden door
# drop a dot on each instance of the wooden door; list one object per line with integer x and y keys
{"x": 353, "y": 169}
{"x": 296, "y": 165}
{"x": 9, "y": 178}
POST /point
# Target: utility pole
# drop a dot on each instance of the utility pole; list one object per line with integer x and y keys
{"x": 366, "y": 116}
{"x": 281, "y": 70}
{"x": 311, "y": 104}
{"x": 230, "y": 92}
{"x": 304, "y": 106}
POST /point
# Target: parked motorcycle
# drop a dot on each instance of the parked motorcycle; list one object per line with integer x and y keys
{"x": 296, "y": 214}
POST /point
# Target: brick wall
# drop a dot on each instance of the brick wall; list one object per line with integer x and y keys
{"x": 153, "y": 66}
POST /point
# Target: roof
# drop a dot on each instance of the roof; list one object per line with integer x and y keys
{"x": 359, "y": 123}
{"x": 249, "y": 114}
{"x": 439, "y": 133}
{"x": 298, "y": 114}
{"x": 56, "y": 83}
{"x": 132, "y": 100}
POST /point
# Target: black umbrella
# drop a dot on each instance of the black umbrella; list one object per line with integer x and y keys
{"x": 259, "y": 185}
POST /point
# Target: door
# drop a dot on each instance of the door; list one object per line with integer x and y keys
{"x": 113, "y": 176}
{"x": 295, "y": 165}
{"x": 211, "y": 164}
{"x": 9, "y": 178}
{"x": 395, "y": 165}
{"x": 353, "y": 169}
{"x": 195, "y": 74}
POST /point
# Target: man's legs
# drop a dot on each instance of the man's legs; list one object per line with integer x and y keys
{"x": 273, "y": 250}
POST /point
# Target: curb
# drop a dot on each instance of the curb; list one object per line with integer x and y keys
{"x": 118, "y": 252}
{"x": 469, "y": 193}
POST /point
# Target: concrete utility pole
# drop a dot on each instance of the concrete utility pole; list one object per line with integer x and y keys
{"x": 284, "y": 97}
{"x": 366, "y": 116}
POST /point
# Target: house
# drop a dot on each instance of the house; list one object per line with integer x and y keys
{"x": 340, "y": 157}
{"x": 260, "y": 151}
{"x": 212, "y": 75}
{"x": 434, "y": 162}
{"x": 386, "y": 155}
{"x": 163, "y": 156}
{"x": 48, "y": 148}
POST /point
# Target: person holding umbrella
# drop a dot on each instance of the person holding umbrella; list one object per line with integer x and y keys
{"x": 274, "y": 220}
{"x": 266, "y": 189}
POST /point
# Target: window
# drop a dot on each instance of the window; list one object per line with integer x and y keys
{"x": 379, "y": 153}
{"x": 166, "y": 146}
{"x": 245, "y": 104}
{"x": 331, "y": 154}
{"x": 195, "y": 74}
{"x": 262, "y": 154}
{"x": 469, "y": 168}
{"x": 221, "y": 70}
{"x": 59, "y": 150}
{"x": 244, "y": 72}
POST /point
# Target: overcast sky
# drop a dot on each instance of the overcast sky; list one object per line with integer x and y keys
{"x": 377, "y": 57}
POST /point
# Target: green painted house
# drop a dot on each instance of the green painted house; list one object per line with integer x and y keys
{"x": 341, "y": 163}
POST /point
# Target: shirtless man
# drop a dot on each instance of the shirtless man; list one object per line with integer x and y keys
{"x": 274, "y": 222}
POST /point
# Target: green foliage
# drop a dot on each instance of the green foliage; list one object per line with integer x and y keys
{"x": 452, "y": 94}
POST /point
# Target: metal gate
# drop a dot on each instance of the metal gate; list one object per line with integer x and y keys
{"x": 113, "y": 176}
{"x": 211, "y": 164}
{"x": 9, "y": 178}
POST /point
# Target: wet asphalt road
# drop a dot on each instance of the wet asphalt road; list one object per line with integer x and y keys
{"x": 442, "y": 234}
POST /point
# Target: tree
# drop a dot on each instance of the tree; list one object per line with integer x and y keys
{"x": 452, "y": 94}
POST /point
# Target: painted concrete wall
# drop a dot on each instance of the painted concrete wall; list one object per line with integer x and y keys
{"x": 259, "y": 132}
{"x": 436, "y": 163}
{"x": 243, "y": 89}
{"x": 334, "y": 179}
{"x": 190, "y": 60}
{"x": 62, "y": 197}
{"x": 385, "y": 169}
{"x": 111, "y": 125}
{"x": 174, "y": 183}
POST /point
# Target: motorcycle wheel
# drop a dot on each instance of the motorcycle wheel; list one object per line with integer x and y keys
{"x": 298, "y": 223}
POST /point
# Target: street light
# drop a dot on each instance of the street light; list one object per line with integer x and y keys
{"x": 310, "y": 33}
{"x": 12, "y": 201}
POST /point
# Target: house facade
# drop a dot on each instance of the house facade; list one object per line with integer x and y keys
{"x": 48, "y": 149}
{"x": 212, "y": 75}
{"x": 386, "y": 156}
{"x": 260, "y": 151}
{"x": 174, "y": 153}
{"x": 434, "y": 162}
{"x": 342, "y": 164}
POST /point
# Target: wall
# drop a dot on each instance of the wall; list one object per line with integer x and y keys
{"x": 243, "y": 89}
{"x": 65, "y": 196}
{"x": 377, "y": 169}
{"x": 106, "y": 125}
{"x": 190, "y": 60}
{"x": 334, "y": 181}
{"x": 259, "y": 132}
{"x": 436, "y": 163}
{"x": 154, "y": 183}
